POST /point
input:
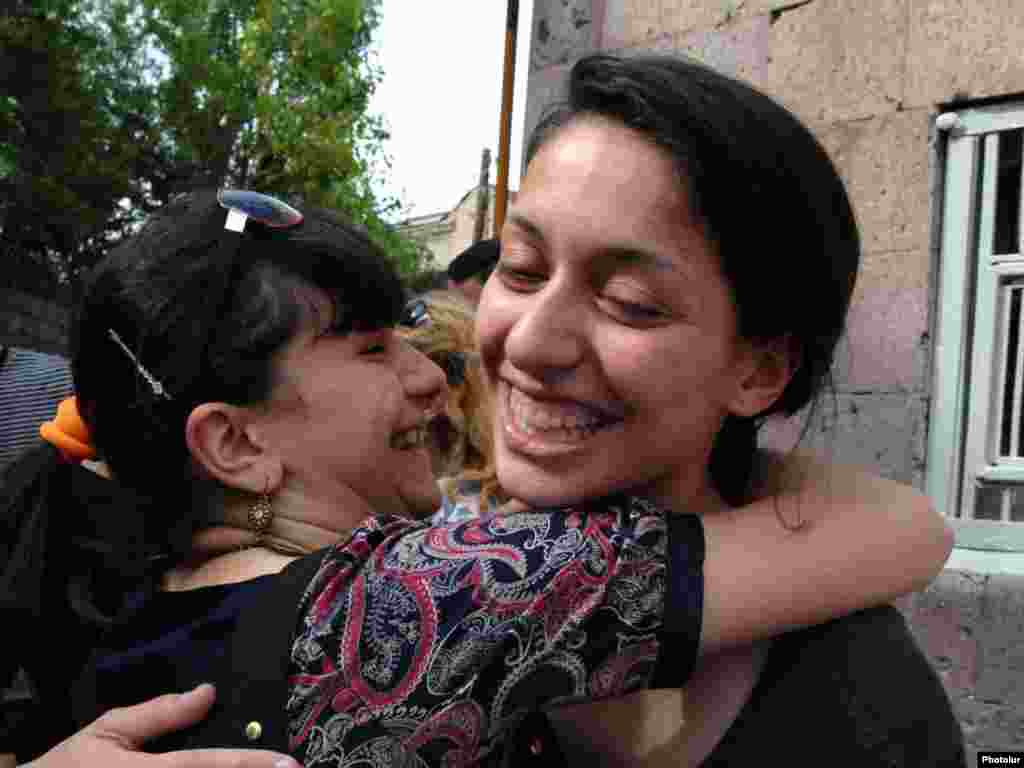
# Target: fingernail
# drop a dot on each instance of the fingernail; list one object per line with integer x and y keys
{"x": 286, "y": 762}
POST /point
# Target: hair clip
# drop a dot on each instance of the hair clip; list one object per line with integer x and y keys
{"x": 154, "y": 383}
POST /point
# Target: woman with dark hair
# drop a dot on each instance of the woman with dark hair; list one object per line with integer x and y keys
{"x": 677, "y": 268}
{"x": 263, "y": 370}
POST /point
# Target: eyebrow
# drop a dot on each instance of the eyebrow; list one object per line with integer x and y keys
{"x": 514, "y": 217}
{"x": 624, "y": 254}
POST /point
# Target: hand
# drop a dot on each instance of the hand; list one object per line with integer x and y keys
{"x": 115, "y": 739}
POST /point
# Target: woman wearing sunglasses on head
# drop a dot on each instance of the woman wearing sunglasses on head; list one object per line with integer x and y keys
{"x": 263, "y": 375}
{"x": 441, "y": 325}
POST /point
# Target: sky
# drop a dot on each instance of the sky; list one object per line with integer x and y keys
{"x": 441, "y": 96}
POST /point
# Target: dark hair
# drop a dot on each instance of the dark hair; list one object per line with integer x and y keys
{"x": 478, "y": 260}
{"x": 771, "y": 202}
{"x": 205, "y": 321}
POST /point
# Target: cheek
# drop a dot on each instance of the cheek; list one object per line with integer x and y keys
{"x": 669, "y": 372}
{"x": 495, "y": 317}
{"x": 366, "y": 405}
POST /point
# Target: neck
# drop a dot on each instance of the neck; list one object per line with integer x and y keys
{"x": 300, "y": 525}
{"x": 689, "y": 491}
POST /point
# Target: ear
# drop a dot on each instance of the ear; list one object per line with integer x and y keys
{"x": 224, "y": 442}
{"x": 765, "y": 370}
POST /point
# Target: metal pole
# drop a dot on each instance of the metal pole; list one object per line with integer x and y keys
{"x": 505, "y": 134}
{"x": 483, "y": 196}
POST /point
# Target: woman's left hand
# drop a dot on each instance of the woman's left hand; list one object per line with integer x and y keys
{"x": 115, "y": 739}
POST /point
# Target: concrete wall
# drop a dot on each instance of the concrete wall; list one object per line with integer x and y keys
{"x": 866, "y": 76}
{"x": 971, "y": 626}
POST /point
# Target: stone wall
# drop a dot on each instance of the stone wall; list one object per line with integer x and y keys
{"x": 971, "y": 626}
{"x": 868, "y": 77}
{"x": 34, "y": 323}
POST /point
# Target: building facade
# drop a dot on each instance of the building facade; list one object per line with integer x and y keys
{"x": 921, "y": 105}
{"x": 446, "y": 234}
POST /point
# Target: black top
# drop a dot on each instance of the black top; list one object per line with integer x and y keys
{"x": 177, "y": 641}
{"x": 856, "y": 691}
{"x": 60, "y": 585}
{"x": 540, "y": 601}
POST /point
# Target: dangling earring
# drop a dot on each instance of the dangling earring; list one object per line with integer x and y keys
{"x": 261, "y": 515}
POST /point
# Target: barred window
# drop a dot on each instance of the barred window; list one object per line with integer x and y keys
{"x": 975, "y": 468}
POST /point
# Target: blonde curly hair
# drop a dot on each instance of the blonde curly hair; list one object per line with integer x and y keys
{"x": 466, "y": 432}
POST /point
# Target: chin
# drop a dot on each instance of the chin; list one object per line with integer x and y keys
{"x": 542, "y": 490}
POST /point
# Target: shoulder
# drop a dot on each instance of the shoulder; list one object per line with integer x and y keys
{"x": 868, "y": 690}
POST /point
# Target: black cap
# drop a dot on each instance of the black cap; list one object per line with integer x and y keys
{"x": 479, "y": 258}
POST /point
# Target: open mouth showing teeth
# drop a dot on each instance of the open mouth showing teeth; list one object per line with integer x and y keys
{"x": 409, "y": 439}
{"x": 561, "y": 422}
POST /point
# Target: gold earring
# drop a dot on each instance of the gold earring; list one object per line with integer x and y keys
{"x": 261, "y": 515}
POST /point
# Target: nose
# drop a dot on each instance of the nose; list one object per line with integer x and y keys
{"x": 546, "y": 339}
{"x": 423, "y": 380}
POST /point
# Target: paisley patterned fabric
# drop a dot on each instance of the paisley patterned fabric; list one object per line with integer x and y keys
{"x": 426, "y": 646}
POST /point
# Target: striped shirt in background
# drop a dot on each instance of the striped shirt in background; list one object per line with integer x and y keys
{"x": 32, "y": 384}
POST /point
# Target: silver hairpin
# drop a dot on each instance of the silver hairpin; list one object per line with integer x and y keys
{"x": 154, "y": 383}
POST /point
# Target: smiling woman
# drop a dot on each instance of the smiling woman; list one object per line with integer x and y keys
{"x": 281, "y": 411}
{"x": 676, "y": 268}
{"x": 610, "y": 333}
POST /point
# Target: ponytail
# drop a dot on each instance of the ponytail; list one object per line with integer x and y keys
{"x": 732, "y": 458}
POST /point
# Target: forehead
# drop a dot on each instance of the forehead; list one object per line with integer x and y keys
{"x": 608, "y": 187}
{"x": 608, "y": 151}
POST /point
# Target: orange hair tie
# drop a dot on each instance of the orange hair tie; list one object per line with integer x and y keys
{"x": 68, "y": 432}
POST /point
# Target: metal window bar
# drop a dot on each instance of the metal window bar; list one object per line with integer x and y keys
{"x": 985, "y": 387}
{"x": 998, "y": 489}
{"x": 1012, "y": 356}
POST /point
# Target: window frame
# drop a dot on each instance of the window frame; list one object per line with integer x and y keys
{"x": 966, "y": 323}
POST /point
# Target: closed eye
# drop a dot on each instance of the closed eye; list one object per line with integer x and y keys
{"x": 632, "y": 313}
{"x": 639, "y": 311}
{"x": 518, "y": 279}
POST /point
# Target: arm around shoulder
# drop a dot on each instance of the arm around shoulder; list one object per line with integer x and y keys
{"x": 822, "y": 540}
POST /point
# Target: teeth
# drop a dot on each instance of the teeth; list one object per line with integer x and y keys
{"x": 532, "y": 417}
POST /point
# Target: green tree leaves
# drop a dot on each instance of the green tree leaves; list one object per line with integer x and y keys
{"x": 109, "y": 107}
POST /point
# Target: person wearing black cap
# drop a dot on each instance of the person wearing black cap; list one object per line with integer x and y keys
{"x": 471, "y": 268}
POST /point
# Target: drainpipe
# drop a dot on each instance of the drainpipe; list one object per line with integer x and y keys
{"x": 505, "y": 133}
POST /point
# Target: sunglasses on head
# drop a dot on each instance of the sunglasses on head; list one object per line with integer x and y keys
{"x": 243, "y": 205}
{"x": 414, "y": 314}
{"x": 244, "y": 208}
